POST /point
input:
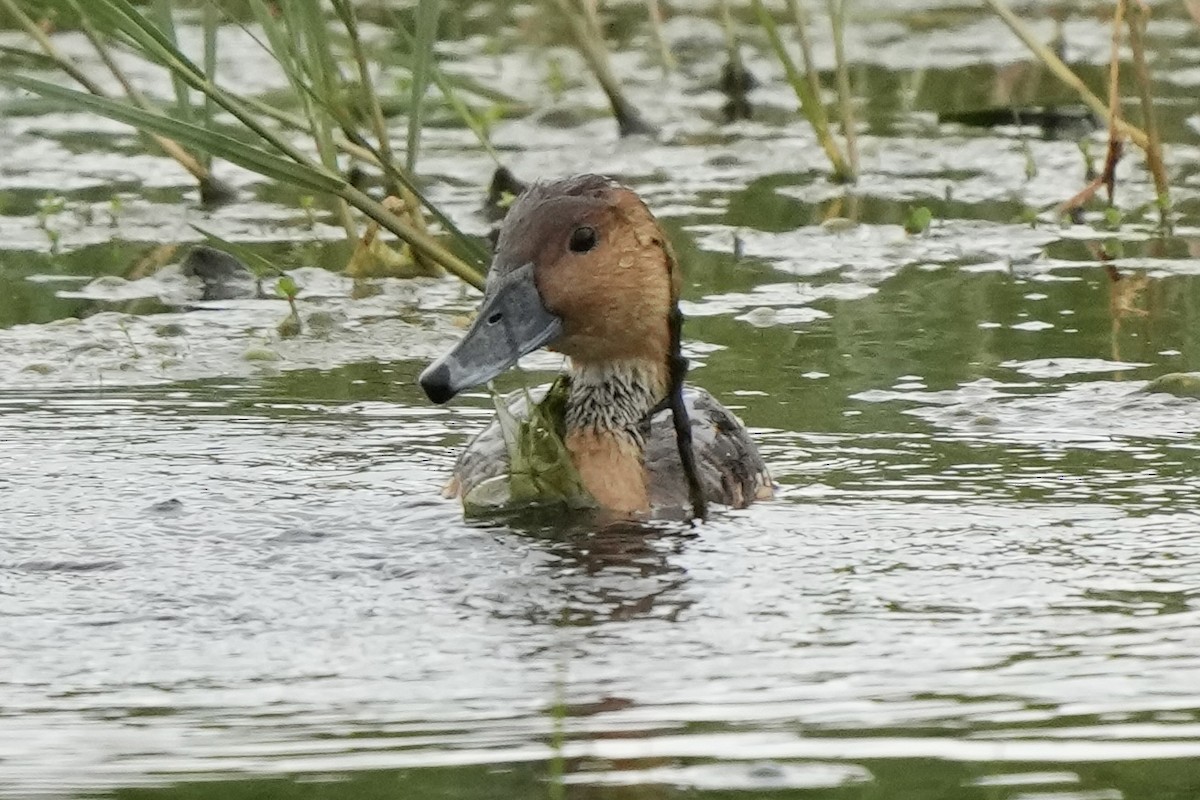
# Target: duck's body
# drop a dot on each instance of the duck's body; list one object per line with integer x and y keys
{"x": 728, "y": 466}
{"x": 583, "y": 268}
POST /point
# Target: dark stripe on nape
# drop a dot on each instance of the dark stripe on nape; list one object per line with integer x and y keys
{"x": 677, "y": 369}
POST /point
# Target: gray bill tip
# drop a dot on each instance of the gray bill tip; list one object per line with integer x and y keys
{"x": 511, "y": 322}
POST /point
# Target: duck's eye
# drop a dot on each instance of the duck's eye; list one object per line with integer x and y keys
{"x": 583, "y": 239}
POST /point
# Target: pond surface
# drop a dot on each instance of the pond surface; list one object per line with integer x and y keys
{"x": 226, "y": 569}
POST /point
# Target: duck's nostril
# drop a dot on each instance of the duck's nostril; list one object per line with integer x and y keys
{"x": 494, "y": 318}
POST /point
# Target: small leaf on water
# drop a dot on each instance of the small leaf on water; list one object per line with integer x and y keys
{"x": 918, "y": 220}
{"x": 286, "y": 287}
{"x": 1113, "y": 217}
{"x": 1028, "y": 216}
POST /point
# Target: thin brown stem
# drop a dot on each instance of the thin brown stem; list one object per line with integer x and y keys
{"x": 837, "y": 19}
{"x": 1114, "y": 104}
{"x": 1139, "y": 14}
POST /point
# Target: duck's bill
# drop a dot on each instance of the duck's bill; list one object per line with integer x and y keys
{"x": 512, "y": 322}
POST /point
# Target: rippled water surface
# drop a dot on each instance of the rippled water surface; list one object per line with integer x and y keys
{"x": 226, "y": 571}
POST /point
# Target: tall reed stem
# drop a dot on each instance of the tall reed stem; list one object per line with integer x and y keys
{"x": 1064, "y": 73}
{"x": 810, "y": 100}
{"x": 590, "y": 41}
{"x": 654, "y": 12}
{"x": 837, "y": 20}
{"x": 1138, "y": 16}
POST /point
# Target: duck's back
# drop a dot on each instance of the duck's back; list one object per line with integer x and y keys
{"x": 728, "y": 463}
{"x": 729, "y": 466}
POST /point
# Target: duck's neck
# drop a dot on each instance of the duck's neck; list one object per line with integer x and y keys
{"x": 606, "y": 405}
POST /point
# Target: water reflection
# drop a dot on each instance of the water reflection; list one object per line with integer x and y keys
{"x": 604, "y": 570}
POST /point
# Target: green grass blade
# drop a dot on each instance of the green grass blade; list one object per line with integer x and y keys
{"x": 325, "y": 75}
{"x": 211, "y": 22}
{"x": 144, "y": 35}
{"x": 218, "y": 144}
{"x": 426, "y": 34}
{"x": 810, "y": 104}
{"x": 165, "y": 18}
{"x": 281, "y": 46}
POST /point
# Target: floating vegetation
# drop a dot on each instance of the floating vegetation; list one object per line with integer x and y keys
{"x": 541, "y": 470}
{"x": 918, "y": 220}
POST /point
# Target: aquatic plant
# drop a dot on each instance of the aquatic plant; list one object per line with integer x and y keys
{"x": 287, "y": 289}
{"x": 48, "y": 209}
{"x": 210, "y": 188}
{"x": 807, "y": 85}
{"x": 585, "y": 31}
{"x": 300, "y": 42}
{"x": 541, "y": 468}
{"x": 1134, "y": 14}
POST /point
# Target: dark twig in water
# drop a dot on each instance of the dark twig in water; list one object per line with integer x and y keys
{"x": 1115, "y": 142}
{"x": 1106, "y": 178}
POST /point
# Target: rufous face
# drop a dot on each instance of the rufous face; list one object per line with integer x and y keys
{"x": 602, "y": 265}
{"x": 581, "y": 267}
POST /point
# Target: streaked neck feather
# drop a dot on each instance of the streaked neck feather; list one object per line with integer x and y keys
{"x": 606, "y": 406}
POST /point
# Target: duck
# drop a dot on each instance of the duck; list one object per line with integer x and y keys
{"x": 582, "y": 267}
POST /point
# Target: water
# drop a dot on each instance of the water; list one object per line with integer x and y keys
{"x": 226, "y": 570}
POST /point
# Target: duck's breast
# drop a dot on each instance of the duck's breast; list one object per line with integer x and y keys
{"x": 731, "y": 470}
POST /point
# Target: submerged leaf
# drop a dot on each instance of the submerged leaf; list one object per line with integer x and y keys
{"x": 1180, "y": 384}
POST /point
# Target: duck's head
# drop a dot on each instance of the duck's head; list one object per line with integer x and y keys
{"x": 581, "y": 267}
